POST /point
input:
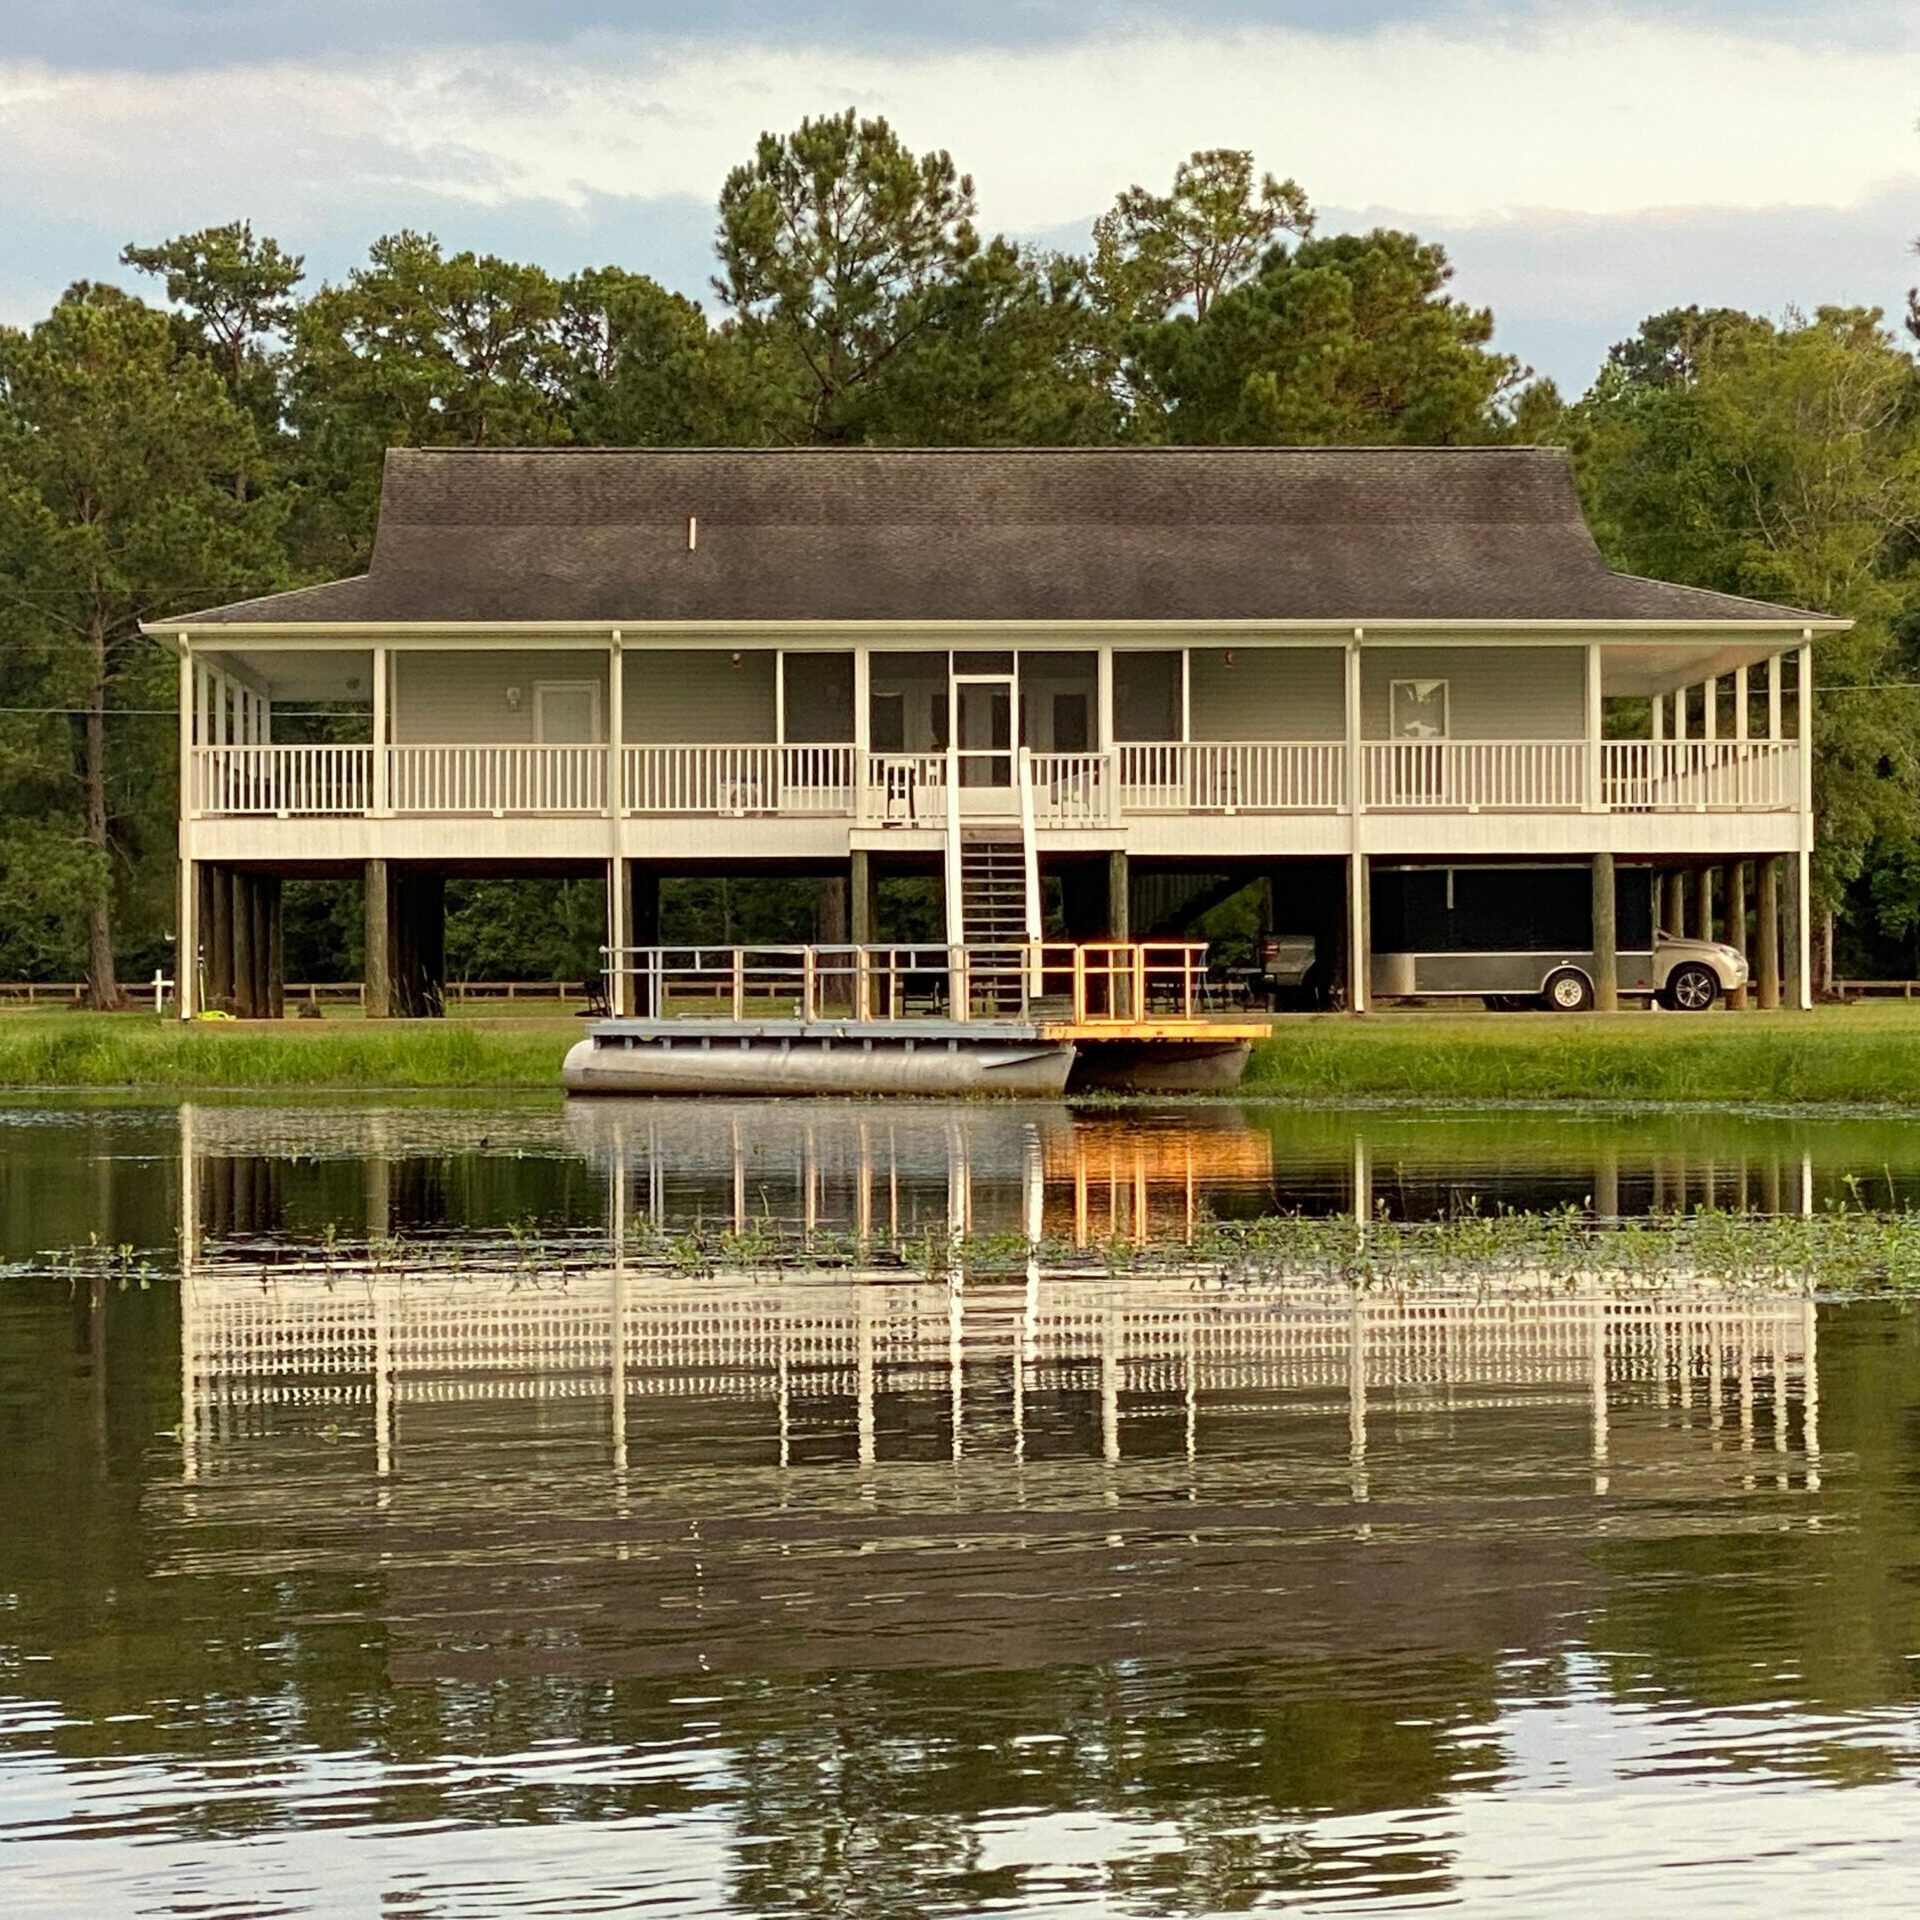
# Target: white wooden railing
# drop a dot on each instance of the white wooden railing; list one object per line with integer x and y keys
{"x": 284, "y": 781}
{"x": 905, "y": 789}
{"x": 734, "y": 781}
{"x": 1067, "y": 789}
{"x": 1071, "y": 789}
{"x": 1666, "y": 776}
{"x": 1475, "y": 775}
{"x": 497, "y": 780}
{"x": 1254, "y": 776}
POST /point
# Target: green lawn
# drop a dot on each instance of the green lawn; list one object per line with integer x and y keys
{"x": 1863, "y": 1054}
{"x": 1858, "y": 1055}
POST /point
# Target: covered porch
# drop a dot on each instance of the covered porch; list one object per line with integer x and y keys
{"x": 1066, "y": 737}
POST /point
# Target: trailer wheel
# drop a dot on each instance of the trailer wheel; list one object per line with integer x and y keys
{"x": 1691, "y": 988}
{"x": 1568, "y": 991}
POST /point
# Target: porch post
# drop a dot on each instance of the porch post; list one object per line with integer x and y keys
{"x": 1798, "y": 987}
{"x": 1119, "y": 902}
{"x": 1186, "y": 695}
{"x": 379, "y": 969}
{"x": 1767, "y": 932}
{"x": 1359, "y": 931}
{"x": 382, "y": 730}
{"x": 1596, "y": 782}
{"x": 241, "y": 894}
{"x": 862, "y": 727}
{"x": 1606, "y": 943}
{"x": 1103, "y": 700}
{"x": 862, "y": 898}
{"x": 1736, "y": 884}
{"x": 276, "y": 945}
{"x": 1803, "y": 877}
{"x": 1703, "y": 904}
{"x": 258, "y": 891}
{"x": 619, "y": 905}
{"x": 186, "y": 936}
{"x": 186, "y": 941}
{"x": 1359, "y": 943}
{"x": 220, "y": 967}
{"x": 1673, "y": 912}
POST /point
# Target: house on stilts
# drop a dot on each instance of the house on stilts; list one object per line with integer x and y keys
{"x": 1087, "y": 692}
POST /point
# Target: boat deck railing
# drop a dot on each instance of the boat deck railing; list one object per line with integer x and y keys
{"x": 1078, "y": 983}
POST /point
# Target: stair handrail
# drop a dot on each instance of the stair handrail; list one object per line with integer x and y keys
{"x": 956, "y": 921}
{"x": 1029, "y": 868}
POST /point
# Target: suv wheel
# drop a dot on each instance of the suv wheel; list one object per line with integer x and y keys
{"x": 1691, "y": 988}
{"x": 1568, "y": 991}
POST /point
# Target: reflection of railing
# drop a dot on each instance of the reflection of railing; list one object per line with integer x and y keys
{"x": 1086, "y": 983}
{"x": 250, "y": 1332}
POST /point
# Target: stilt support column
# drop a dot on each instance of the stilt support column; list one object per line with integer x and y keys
{"x": 1606, "y": 940}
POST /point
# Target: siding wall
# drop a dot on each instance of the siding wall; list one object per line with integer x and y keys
{"x": 460, "y": 699}
{"x": 699, "y": 697}
{"x": 1493, "y": 693}
{"x": 1269, "y": 693}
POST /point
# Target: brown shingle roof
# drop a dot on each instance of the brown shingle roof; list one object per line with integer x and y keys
{"x": 1343, "y": 534}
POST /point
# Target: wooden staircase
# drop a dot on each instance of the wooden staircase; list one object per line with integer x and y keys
{"x": 994, "y": 914}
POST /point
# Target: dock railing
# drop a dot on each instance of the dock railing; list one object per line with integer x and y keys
{"x": 1082, "y": 983}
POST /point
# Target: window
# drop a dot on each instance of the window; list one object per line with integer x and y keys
{"x": 1417, "y": 725}
{"x": 1071, "y": 733}
{"x": 887, "y": 723}
{"x": 1418, "y": 710}
{"x": 566, "y": 712}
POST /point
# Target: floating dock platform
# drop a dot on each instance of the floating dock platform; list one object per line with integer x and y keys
{"x": 1031, "y": 1022}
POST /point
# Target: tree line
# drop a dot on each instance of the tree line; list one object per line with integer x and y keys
{"x": 223, "y": 436}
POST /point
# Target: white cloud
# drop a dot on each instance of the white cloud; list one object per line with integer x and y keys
{"x": 1469, "y": 124}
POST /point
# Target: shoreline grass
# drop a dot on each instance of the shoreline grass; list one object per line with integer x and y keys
{"x": 1834, "y": 1057}
{"x": 150, "y": 1053}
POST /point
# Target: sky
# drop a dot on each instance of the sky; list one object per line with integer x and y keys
{"x": 1585, "y": 165}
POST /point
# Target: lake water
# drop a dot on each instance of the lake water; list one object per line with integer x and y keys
{"x": 407, "y": 1553}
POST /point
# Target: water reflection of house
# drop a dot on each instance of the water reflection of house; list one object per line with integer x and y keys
{"x": 899, "y": 1173}
{"x": 733, "y": 1477}
{"x": 256, "y": 1340}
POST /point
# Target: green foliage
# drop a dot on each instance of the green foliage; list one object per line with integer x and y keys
{"x": 236, "y": 294}
{"x": 417, "y": 349}
{"x": 154, "y": 461}
{"x": 1155, "y": 253}
{"x": 1783, "y": 463}
{"x": 835, "y": 243}
{"x": 1344, "y": 340}
{"x": 118, "y": 454}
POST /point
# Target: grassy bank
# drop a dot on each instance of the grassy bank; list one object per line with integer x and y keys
{"x": 1834, "y": 1056}
{"x": 140, "y": 1051}
{"x": 1838, "y": 1056}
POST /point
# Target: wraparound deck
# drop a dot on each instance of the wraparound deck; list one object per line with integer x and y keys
{"x": 1077, "y": 790}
